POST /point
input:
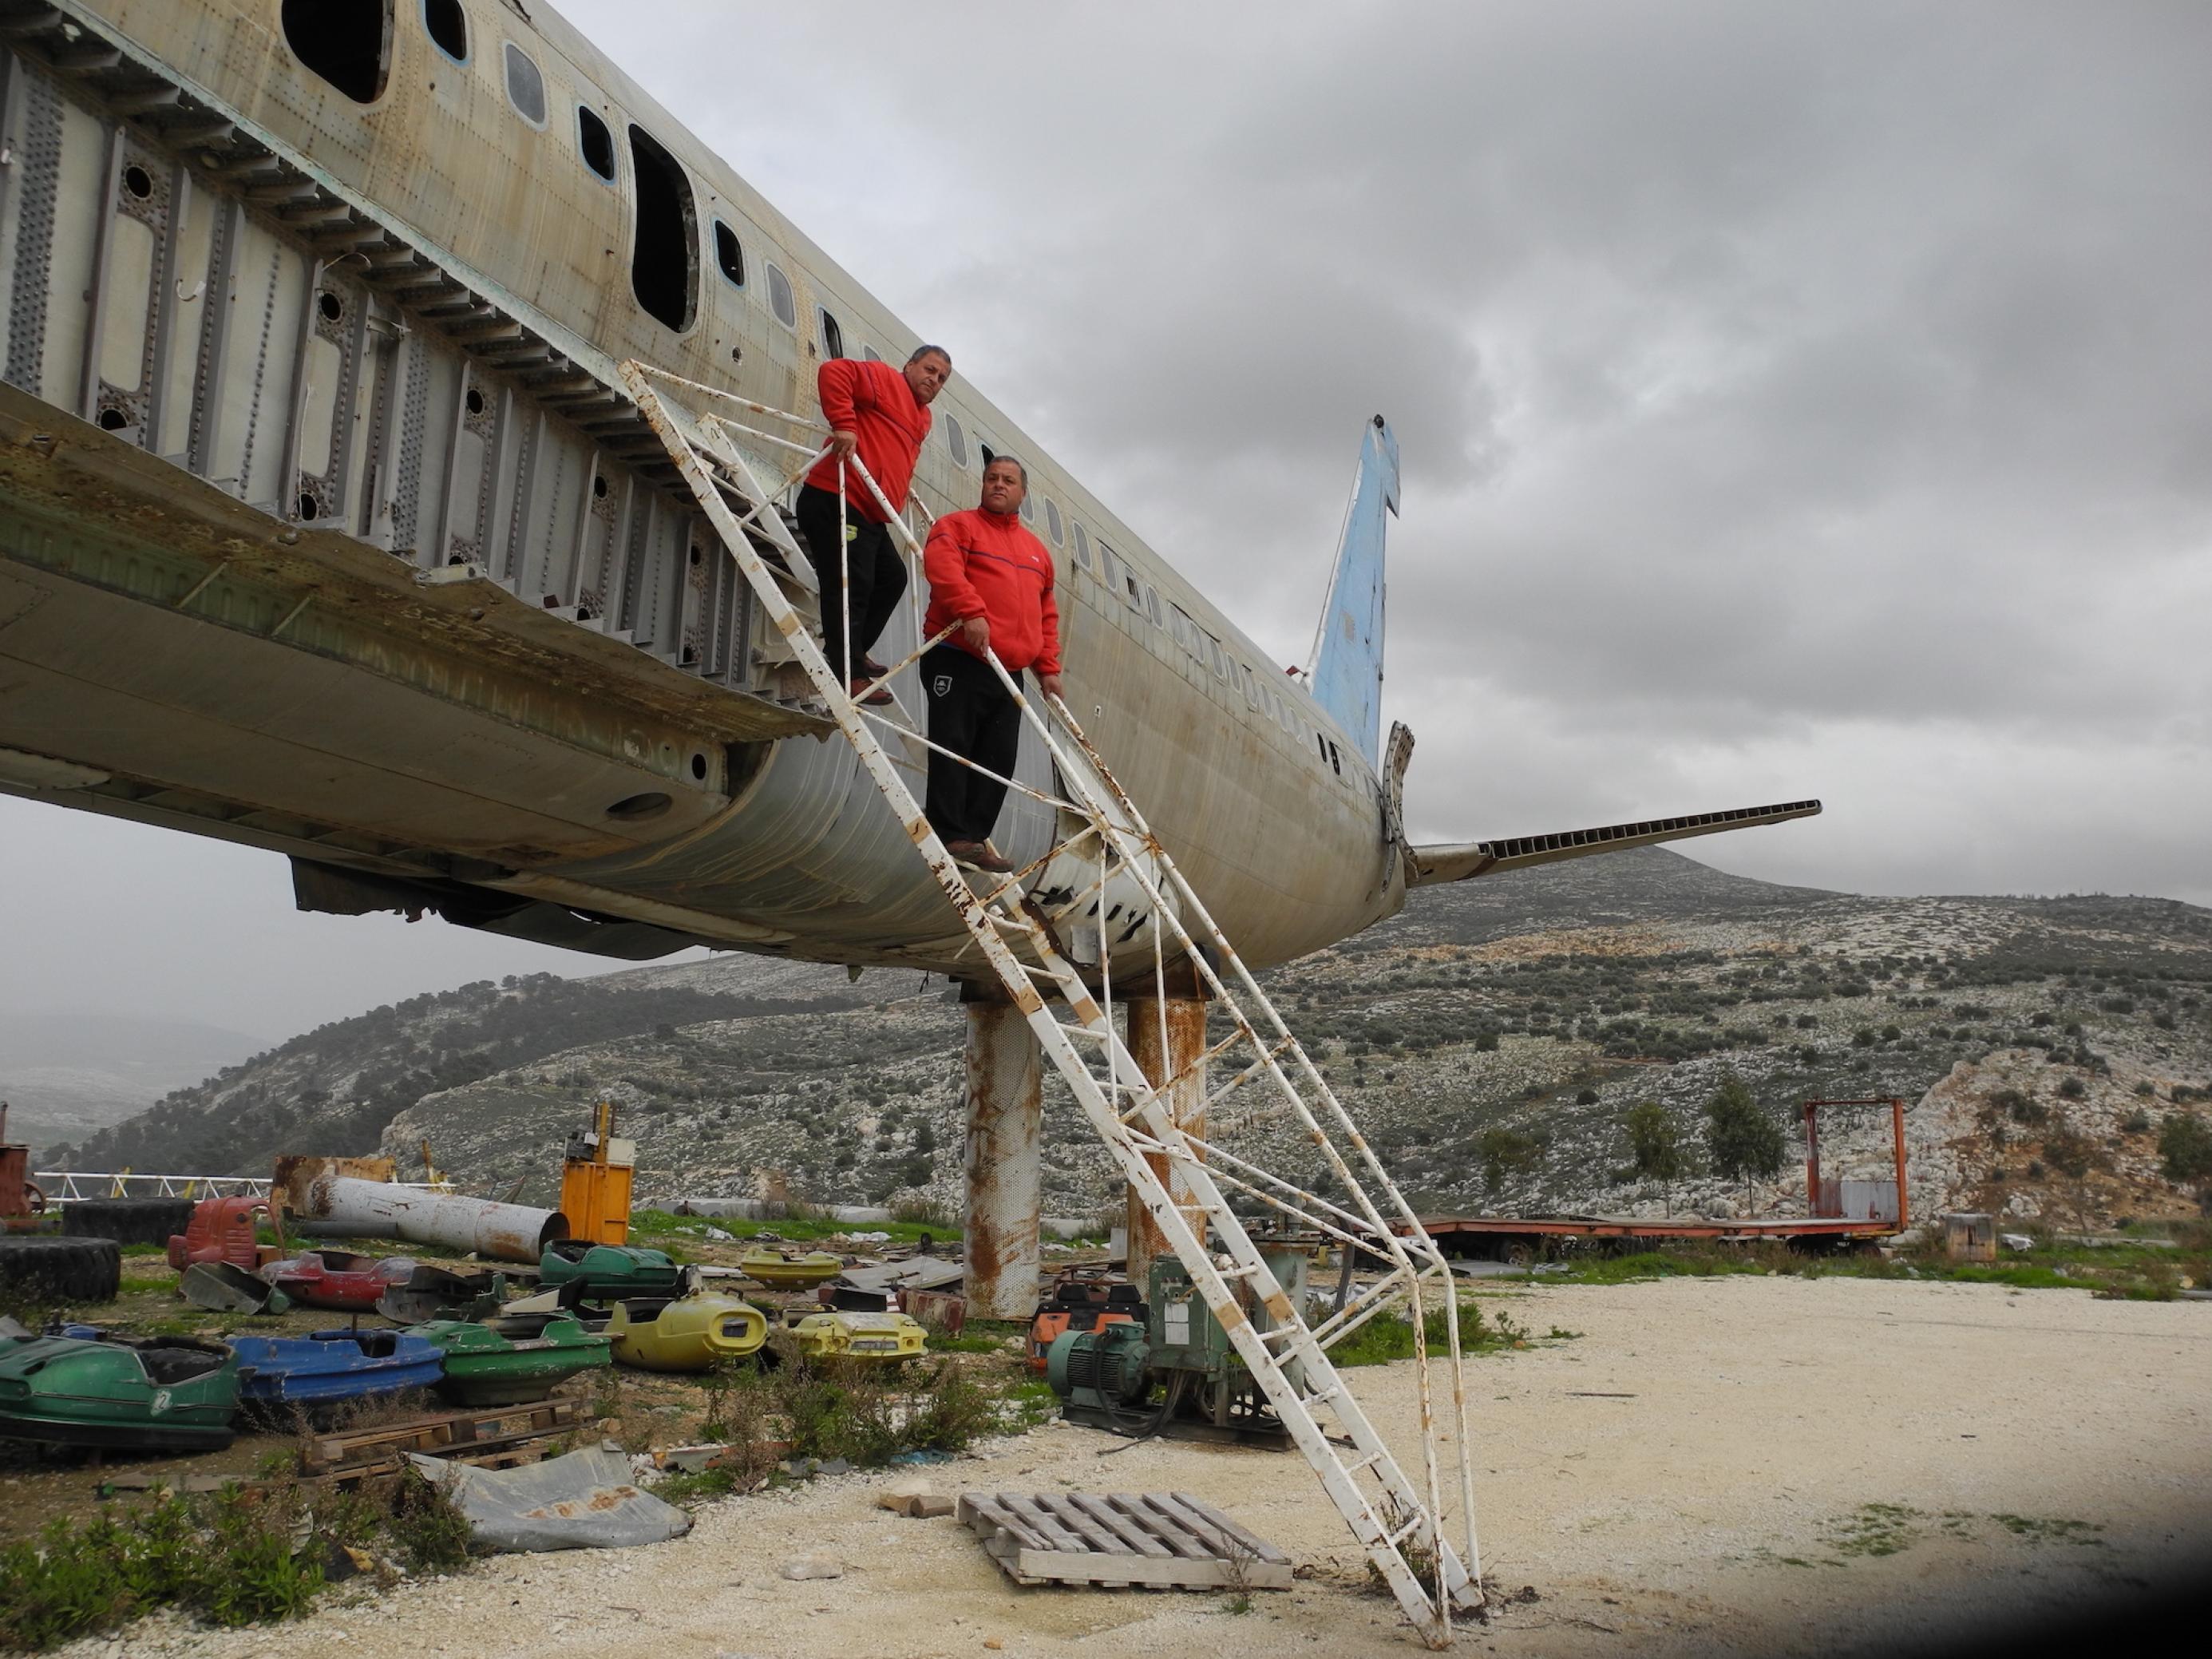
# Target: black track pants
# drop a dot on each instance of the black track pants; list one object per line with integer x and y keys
{"x": 878, "y": 576}
{"x": 971, "y": 715}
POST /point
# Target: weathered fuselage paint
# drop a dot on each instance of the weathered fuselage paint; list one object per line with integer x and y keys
{"x": 324, "y": 526}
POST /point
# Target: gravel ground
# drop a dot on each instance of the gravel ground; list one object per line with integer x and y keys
{"x": 2029, "y": 1451}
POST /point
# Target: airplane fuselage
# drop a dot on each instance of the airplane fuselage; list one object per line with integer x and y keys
{"x": 324, "y": 526}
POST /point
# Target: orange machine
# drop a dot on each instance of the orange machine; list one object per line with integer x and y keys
{"x": 1081, "y": 1304}
{"x": 595, "y": 1180}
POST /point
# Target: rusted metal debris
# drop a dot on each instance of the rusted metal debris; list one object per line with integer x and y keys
{"x": 347, "y": 1198}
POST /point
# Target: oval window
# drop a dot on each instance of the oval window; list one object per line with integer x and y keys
{"x": 1082, "y": 545}
{"x": 525, "y": 86}
{"x": 1052, "y": 523}
{"x": 729, "y": 257}
{"x": 447, "y": 26}
{"x": 956, "y": 441}
{"x": 595, "y": 143}
{"x": 833, "y": 338}
{"x": 780, "y": 299}
{"x": 1028, "y": 508}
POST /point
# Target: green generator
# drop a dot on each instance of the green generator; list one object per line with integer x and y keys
{"x": 1177, "y": 1374}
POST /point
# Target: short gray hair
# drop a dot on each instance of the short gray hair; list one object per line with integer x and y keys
{"x": 1009, "y": 460}
{"x": 922, "y": 351}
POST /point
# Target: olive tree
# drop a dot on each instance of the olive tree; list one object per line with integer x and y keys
{"x": 1741, "y": 1138}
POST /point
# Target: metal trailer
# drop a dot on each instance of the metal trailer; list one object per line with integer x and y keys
{"x": 1842, "y": 1212}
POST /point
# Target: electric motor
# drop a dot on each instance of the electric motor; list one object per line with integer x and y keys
{"x": 1101, "y": 1367}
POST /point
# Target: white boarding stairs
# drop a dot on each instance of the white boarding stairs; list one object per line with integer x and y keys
{"x": 1397, "y": 1520}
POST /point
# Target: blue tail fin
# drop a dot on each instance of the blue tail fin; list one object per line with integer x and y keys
{"x": 1347, "y": 659}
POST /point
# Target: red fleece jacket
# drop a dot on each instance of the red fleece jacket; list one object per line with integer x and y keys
{"x": 985, "y": 564}
{"x": 873, "y": 402}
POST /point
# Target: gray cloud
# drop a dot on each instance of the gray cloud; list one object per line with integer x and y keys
{"x": 1793, "y": 399}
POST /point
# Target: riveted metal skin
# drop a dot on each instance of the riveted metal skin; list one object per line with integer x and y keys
{"x": 399, "y": 323}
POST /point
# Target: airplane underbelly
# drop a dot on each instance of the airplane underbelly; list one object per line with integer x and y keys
{"x": 313, "y": 542}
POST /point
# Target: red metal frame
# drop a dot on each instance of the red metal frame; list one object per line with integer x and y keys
{"x": 1809, "y": 1226}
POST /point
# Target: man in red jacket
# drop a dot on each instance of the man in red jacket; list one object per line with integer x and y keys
{"x": 994, "y": 579}
{"x": 881, "y": 414}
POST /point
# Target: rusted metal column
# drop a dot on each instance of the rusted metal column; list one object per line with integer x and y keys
{"x": 1811, "y": 1161}
{"x": 1005, "y": 1158}
{"x": 1165, "y": 1037}
{"x": 1897, "y": 1129}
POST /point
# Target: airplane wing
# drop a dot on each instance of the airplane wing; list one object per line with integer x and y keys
{"x": 1433, "y": 865}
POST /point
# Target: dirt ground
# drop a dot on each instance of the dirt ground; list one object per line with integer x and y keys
{"x": 1761, "y": 1465}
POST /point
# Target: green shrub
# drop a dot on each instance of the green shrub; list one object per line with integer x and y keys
{"x": 2184, "y": 1147}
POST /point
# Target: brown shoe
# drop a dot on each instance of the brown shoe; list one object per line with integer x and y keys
{"x": 879, "y": 698}
{"x": 978, "y": 855}
{"x": 872, "y": 669}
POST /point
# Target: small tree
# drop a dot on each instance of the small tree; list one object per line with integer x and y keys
{"x": 2184, "y": 1146}
{"x": 1504, "y": 1151}
{"x": 1742, "y": 1138}
{"x": 1656, "y": 1145}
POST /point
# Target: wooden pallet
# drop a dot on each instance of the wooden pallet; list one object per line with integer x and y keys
{"x": 1151, "y": 1540}
{"x": 496, "y": 1435}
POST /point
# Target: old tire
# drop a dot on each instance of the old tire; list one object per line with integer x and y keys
{"x": 54, "y": 1271}
{"x": 127, "y": 1220}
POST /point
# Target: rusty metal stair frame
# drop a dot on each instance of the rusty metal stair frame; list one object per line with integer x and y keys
{"x": 1398, "y": 1523}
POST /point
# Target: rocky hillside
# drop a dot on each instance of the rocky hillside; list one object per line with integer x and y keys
{"x": 1490, "y": 1040}
{"x": 336, "y": 1089}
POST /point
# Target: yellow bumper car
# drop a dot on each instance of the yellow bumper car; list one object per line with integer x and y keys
{"x": 689, "y": 1333}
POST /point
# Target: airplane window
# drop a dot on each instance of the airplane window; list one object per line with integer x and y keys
{"x": 1335, "y": 764}
{"x": 729, "y": 257}
{"x": 989, "y": 453}
{"x": 1108, "y": 571}
{"x": 1052, "y": 523}
{"x": 595, "y": 143}
{"x": 664, "y": 266}
{"x": 447, "y": 26}
{"x": 347, "y": 42}
{"x": 525, "y": 86}
{"x": 1028, "y": 508}
{"x": 1133, "y": 590}
{"x": 1322, "y": 744}
{"x": 956, "y": 441}
{"x": 833, "y": 338}
{"x": 1082, "y": 545}
{"x": 870, "y": 354}
{"x": 780, "y": 300}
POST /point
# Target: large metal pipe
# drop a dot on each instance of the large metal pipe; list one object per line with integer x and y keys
{"x": 341, "y": 1206}
{"x": 1165, "y": 1036}
{"x": 1004, "y": 1165}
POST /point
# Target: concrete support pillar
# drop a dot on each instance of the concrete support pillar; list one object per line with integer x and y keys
{"x": 1165, "y": 1037}
{"x": 1005, "y": 1158}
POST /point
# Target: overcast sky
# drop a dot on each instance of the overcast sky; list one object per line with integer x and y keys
{"x": 1794, "y": 401}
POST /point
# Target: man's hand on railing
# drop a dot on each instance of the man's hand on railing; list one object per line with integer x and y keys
{"x": 1049, "y": 684}
{"x": 975, "y": 635}
{"x": 842, "y": 444}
